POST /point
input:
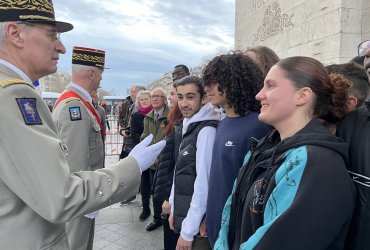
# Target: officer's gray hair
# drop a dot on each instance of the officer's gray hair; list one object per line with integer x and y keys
{"x": 78, "y": 68}
{"x": 2, "y": 32}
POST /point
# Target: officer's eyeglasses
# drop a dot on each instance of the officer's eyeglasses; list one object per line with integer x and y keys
{"x": 53, "y": 34}
{"x": 363, "y": 47}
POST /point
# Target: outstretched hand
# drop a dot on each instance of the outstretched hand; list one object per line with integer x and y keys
{"x": 146, "y": 155}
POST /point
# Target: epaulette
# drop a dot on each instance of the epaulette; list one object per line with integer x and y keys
{"x": 10, "y": 81}
{"x": 70, "y": 99}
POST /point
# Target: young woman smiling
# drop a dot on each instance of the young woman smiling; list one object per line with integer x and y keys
{"x": 293, "y": 191}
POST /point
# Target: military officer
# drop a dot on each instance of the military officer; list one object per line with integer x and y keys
{"x": 38, "y": 192}
{"x": 80, "y": 128}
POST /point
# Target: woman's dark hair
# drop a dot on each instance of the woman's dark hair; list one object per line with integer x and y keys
{"x": 266, "y": 57}
{"x": 192, "y": 80}
{"x": 330, "y": 91}
{"x": 239, "y": 77}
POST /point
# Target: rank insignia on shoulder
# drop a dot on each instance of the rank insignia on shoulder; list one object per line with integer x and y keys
{"x": 70, "y": 99}
{"x": 29, "y": 111}
{"x": 75, "y": 113}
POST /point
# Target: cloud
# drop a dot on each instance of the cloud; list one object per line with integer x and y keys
{"x": 145, "y": 38}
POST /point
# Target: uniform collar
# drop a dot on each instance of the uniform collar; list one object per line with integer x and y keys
{"x": 86, "y": 94}
{"x": 16, "y": 70}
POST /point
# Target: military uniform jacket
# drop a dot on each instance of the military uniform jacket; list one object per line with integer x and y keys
{"x": 78, "y": 129}
{"x": 38, "y": 192}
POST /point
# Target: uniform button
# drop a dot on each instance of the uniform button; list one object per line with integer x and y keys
{"x": 110, "y": 180}
{"x": 100, "y": 193}
{"x": 64, "y": 149}
{"x": 122, "y": 186}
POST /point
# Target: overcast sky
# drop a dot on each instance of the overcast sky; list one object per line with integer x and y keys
{"x": 143, "y": 39}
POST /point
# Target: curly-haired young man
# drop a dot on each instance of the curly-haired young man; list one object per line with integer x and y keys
{"x": 231, "y": 82}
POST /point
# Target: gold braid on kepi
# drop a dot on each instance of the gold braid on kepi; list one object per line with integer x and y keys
{"x": 33, "y": 11}
{"x": 88, "y": 57}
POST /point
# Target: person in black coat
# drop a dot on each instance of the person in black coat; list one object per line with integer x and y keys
{"x": 135, "y": 128}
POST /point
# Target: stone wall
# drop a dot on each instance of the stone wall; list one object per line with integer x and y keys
{"x": 328, "y": 30}
{"x": 365, "y": 19}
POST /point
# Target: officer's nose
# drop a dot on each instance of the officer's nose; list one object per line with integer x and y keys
{"x": 60, "y": 47}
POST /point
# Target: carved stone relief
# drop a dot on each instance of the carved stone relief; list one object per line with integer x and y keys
{"x": 273, "y": 23}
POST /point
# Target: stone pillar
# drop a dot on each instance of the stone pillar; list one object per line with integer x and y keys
{"x": 365, "y": 19}
{"x": 328, "y": 30}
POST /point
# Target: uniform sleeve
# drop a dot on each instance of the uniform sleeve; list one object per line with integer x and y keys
{"x": 75, "y": 134}
{"x": 198, "y": 205}
{"x": 311, "y": 205}
{"x": 33, "y": 166}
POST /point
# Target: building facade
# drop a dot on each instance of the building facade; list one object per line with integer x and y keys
{"x": 328, "y": 30}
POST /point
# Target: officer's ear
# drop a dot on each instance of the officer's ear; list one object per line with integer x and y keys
{"x": 91, "y": 74}
{"x": 15, "y": 34}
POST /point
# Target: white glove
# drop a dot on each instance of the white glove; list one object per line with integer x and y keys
{"x": 146, "y": 155}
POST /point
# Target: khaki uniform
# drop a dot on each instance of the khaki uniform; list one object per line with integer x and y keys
{"x": 85, "y": 152}
{"x": 38, "y": 192}
{"x": 82, "y": 136}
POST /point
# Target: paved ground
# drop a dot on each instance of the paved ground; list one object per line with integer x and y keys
{"x": 118, "y": 227}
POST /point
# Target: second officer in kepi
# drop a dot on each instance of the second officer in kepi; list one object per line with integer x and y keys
{"x": 80, "y": 128}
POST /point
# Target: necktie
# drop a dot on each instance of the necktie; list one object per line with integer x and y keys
{"x": 156, "y": 117}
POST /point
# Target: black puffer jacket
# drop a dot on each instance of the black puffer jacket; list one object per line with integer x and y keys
{"x": 164, "y": 174}
{"x": 186, "y": 172}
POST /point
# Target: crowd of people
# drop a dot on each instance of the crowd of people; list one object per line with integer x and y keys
{"x": 277, "y": 177}
{"x": 257, "y": 153}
